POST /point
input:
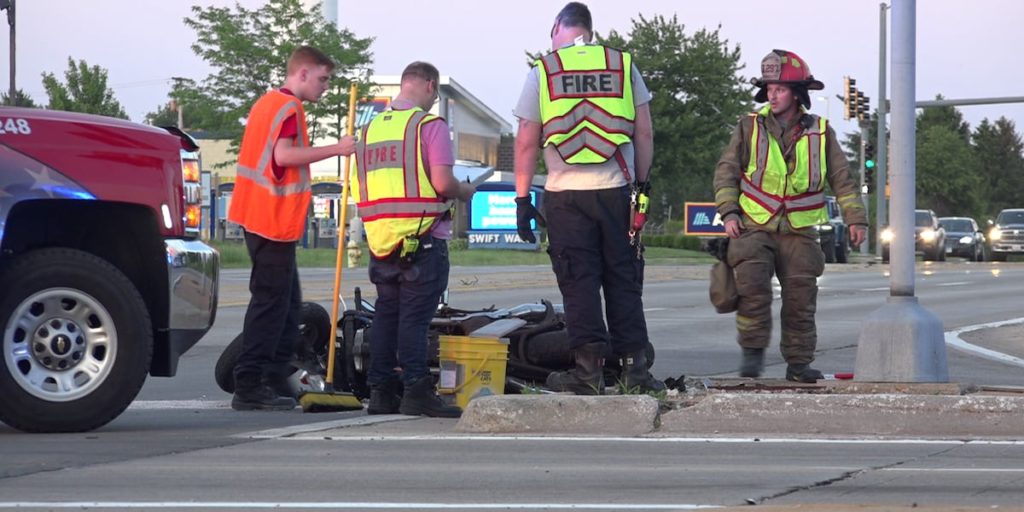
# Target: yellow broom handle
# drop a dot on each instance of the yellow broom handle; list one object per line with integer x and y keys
{"x": 332, "y": 341}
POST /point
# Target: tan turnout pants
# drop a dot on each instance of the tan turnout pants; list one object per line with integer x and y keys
{"x": 798, "y": 262}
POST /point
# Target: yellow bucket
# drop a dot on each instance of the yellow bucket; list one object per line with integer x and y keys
{"x": 471, "y": 367}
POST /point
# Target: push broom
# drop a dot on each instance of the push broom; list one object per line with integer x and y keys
{"x": 330, "y": 400}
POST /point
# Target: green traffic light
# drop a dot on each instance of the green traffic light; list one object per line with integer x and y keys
{"x": 870, "y": 164}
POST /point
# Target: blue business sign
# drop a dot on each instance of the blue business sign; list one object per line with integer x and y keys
{"x": 702, "y": 219}
{"x": 495, "y": 210}
{"x": 492, "y": 218}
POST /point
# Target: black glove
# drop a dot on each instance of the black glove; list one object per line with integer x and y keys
{"x": 525, "y": 212}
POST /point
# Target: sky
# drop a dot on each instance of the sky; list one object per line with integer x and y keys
{"x": 964, "y": 49}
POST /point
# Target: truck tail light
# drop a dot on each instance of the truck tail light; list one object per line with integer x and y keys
{"x": 192, "y": 197}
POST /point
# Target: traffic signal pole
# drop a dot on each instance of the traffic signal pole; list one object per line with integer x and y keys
{"x": 882, "y": 146}
{"x": 902, "y": 341}
{"x": 864, "y": 246}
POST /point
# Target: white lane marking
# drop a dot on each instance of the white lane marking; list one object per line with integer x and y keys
{"x": 958, "y": 470}
{"x": 954, "y": 340}
{"x": 647, "y": 310}
{"x": 152, "y": 405}
{"x": 723, "y": 440}
{"x": 349, "y": 505}
{"x": 958, "y": 283}
{"x": 309, "y": 428}
{"x": 879, "y": 289}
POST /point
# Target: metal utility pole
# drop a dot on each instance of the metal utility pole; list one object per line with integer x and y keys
{"x": 881, "y": 165}
{"x": 865, "y": 247}
{"x": 902, "y": 341}
{"x": 12, "y": 97}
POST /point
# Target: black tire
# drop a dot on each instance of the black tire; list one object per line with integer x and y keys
{"x": 843, "y": 253}
{"x": 830, "y": 252}
{"x": 224, "y": 371}
{"x": 314, "y": 327}
{"x": 940, "y": 252}
{"x": 84, "y": 291}
{"x": 885, "y": 255}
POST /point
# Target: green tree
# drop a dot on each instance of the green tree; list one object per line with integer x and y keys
{"x": 201, "y": 116}
{"x": 950, "y": 117}
{"x": 946, "y": 179}
{"x": 698, "y": 95}
{"x": 84, "y": 90}
{"x": 248, "y": 51}
{"x": 21, "y": 99}
{"x": 999, "y": 153}
{"x": 947, "y": 176}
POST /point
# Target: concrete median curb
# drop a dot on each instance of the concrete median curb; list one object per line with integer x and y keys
{"x": 882, "y": 415}
{"x": 619, "y": 415}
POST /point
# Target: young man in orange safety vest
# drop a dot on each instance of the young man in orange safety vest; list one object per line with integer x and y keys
{"x": 270, "y": 201}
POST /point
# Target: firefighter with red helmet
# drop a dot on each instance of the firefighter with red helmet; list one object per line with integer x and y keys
{"x": 770, "y": 191}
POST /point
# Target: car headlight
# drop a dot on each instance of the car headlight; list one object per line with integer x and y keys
{"x": 887, "y": 235}
{"x": 928, "y": 235}
{"x": 995, "y": 234}
{"x": 966, "y": 240}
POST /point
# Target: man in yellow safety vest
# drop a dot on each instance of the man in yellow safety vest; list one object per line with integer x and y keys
{"x": 585, "y": 106}
{"x": 405, "y": 180}
{"x": 770, "y": 191}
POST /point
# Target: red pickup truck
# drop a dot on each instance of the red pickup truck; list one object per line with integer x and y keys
{"x": 103, "y": 278}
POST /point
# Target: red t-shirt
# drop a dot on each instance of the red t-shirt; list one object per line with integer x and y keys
{"x": 289, "y": 130}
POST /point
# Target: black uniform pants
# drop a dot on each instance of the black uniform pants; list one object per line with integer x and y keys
{"x": 588, "y": 232}
{"x": 271, "y": 325}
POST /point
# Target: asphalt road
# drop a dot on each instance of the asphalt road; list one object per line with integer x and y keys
{"x": 181, "y": 447}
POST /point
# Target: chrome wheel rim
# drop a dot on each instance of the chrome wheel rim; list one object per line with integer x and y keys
{"x": 60, "y": 344}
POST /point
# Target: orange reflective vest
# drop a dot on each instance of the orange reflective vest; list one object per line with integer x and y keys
{"x": 275, "y": 209}
{"x": 395, "y": 196}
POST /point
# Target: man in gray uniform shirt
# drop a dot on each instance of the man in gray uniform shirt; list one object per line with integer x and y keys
{"x": 594, "y": 125}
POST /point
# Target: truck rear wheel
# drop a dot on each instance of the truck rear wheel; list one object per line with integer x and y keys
{"x": 314, "y": 331}
{"x": 77, "y": 342}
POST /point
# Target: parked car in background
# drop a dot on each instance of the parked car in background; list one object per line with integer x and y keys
{"x": 1007, "y": 235}
{"x": 834, "y": 235}
{"x": 964, "y": 238}
{"x": 929, "y": 237}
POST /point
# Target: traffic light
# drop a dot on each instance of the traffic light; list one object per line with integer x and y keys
{"x": 849, "y": 98}
{"x": 869, "y": 167}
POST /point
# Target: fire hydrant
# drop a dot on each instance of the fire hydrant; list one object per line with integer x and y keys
{"x": 353, "y": 253}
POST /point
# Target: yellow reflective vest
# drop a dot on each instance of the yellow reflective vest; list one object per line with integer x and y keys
{"x": 767, "y": 186}
{"x": 586, "y": 102}
{"x": 394, "y": 195}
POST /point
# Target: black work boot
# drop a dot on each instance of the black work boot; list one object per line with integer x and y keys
{"x": 803, "y": 372}
{"x": 252, "y": 395}
{"x": 384, "y": 398}
{"x": 420, "y": 399}
{"x": 752, "y": 364}
{"x": 587, "y": 378}
{"x": 635, "y": 374}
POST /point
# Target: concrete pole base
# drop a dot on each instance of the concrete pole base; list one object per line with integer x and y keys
{"x": 901, "y": 342}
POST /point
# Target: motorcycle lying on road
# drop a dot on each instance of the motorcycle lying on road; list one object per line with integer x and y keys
{"x": 537, "y": 347}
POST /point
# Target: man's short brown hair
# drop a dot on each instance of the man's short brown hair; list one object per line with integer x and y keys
{"x": 308, "y": 56}
{"x": 423, "y": 70}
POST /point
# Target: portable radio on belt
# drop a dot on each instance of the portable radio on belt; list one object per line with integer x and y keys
{"x": 411, "y": 244}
